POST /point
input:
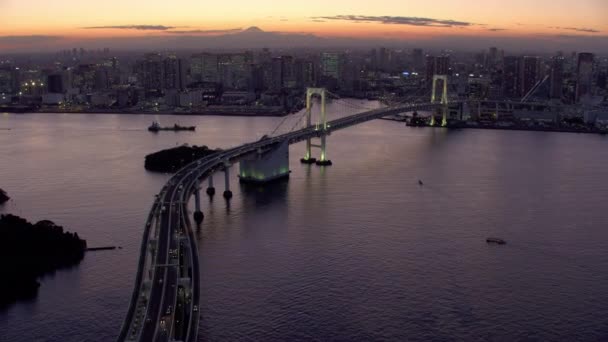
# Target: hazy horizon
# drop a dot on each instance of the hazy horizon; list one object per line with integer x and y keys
{"x": 544, "y": 25}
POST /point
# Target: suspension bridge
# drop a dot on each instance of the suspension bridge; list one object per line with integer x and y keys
{"x": 164, "y": 303}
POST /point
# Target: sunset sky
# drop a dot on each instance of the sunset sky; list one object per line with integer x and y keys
{"x": 30, "y": 22}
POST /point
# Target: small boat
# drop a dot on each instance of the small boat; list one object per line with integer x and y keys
{"x": 155, "y": 127}
{"x": 497, "y": 241}
{"x": 420, "y": 182}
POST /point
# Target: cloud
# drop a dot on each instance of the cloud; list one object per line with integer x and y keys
{"x": 579, "y": 36}
{"x": 496, "y": 29}
{"x": 318, "y": 21}
{"x": 223, "y": 31}
{"x": 577, "y": 29}
{"x": 133, "y": 27}
{"x": 411, "y": 21}
{"x": 31, "y": 39}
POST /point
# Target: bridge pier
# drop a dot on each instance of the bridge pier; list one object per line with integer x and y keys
{"x": 266, "y": 165}
{"x": 210, "y": 188}
{"x": 308, "y": 159}
{"x": 198, "y": 213}
{"x": 323, "y": 161}
{"x": 227, "y": 192}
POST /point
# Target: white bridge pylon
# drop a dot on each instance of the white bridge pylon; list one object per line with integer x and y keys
{"x": 444, "y": 98}
{"x": 319, "y": 125}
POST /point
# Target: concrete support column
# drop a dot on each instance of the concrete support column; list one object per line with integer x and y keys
{"x": 210, "y": 188}
{"x": 227, "y": 192}
{"x": 198, "y": 213}
{"x": 197, "y": 198}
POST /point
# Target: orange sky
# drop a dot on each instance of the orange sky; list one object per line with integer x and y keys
{"x": 67, "y": 18}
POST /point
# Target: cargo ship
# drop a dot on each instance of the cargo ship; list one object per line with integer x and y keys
{"x": 156, "y": 127}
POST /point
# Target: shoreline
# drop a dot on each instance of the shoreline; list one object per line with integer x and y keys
{"x": 211, "y": 112}
{"x": 151, "y": 113}
{"x": 532, "y": 129}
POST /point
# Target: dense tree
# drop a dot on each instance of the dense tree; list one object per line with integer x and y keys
{"x": 173, "y": 159}
{"x": 29, "y": 251}
{"x": 3, "y": 196}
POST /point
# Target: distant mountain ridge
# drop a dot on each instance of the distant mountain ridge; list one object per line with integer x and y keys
{"x": 255, "y": 37}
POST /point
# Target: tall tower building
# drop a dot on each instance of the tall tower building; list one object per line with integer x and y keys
{"x": 510, "y": 82}
{"x": 417, "y": 59}
{"x": 175, "y": 73}
{"x": 235, "y": 70}
{"x": 276, "y": 79}
{"x": 557, "y": 77}
{"x": 584, "y": 75}
{"x": 492, "y": 58}
{"x": 442, "y": 65}
{"x": 529, "y": 73}
{"x": 331, "y": 64}
{"x": 150, "y": 72}
{"x": 204, "y": 68}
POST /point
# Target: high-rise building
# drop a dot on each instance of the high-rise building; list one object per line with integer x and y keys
{"x": 384, "y": 59}
{"x": 492, "y": 58}
{"x": 305, "y": 73}
{"x": 9, "y": 79}
{"x": 418, "y": 59}
{"x": 175, "y": 73}
{"x": 289, "y": 72}
{"x": 331, "y": 65}
{"x": 83, "y": 77}
{"x": 150, "y": 72}
{"x": 204, "y": 68}
{"x": 557, "y": 77}
{"x": 602, "y": 80}
{"x": 442, "y": 65}
{"x": 529, "y": 74}
{"x": 584, "y": 75}
{"x": 437, "y": 65}
{"x": 235, "y": 70}
{"x": 102, "y": 77}
{"x": 276, "y": 79}
{"x": 510, "y": 77}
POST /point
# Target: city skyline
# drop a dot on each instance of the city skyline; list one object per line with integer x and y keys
{"x": 32, "y": 26}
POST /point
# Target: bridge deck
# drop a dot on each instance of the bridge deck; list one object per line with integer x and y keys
{"x": 152, "y": 312}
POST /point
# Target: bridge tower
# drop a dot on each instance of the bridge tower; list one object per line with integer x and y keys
{"x": 319, "y": 126}
{"x": 443, "y": 101}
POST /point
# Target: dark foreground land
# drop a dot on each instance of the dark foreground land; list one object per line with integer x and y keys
{"x": 3, "y": 197}
{"x": 29, "y": 251}
{"x": 173, "y": 159}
